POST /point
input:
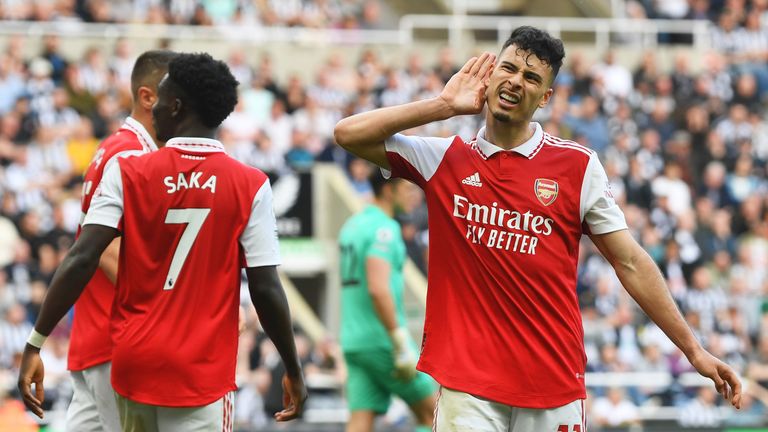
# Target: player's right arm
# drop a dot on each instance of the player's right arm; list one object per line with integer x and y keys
{"x": 271, "y": 305}
{"x": 364, "y": 134}
{"x": 109, "y": 259}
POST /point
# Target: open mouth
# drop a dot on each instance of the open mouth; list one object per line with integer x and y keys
{"x": 508, "y": 98}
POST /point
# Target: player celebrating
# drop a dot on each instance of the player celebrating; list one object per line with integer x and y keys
{"x": 93, "y": 405}
{"x": 373, "y": 335}
{"x": 503, "y": 333}
{"x": 189, "y": 215}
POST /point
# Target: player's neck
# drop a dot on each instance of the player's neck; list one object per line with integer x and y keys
{"x": 385, "y": 206}
{"x": 507, "y": 135}
{"x": 145, "y": 118}
{"x": 192, "y": 127}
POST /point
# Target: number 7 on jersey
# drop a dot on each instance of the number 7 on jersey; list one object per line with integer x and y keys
{"x": 194, "y": 218}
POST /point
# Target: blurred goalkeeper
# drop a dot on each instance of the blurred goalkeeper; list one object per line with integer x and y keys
{"x": 381, "y": 357}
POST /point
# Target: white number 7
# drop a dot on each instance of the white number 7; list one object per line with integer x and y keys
{"x": 194, "y": 218}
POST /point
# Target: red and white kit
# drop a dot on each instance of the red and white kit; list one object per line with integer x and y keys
{"x": 90, "y": 349}
{"x": 502, "y": 319}
{"x": 190, "y": 216}
{"x": 90, "y": 342}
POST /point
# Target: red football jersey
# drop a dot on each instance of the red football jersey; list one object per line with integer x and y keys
{"x": 189, "y": 216}
{"x": 502, "y": 319}
{"x": 90, "y": 342}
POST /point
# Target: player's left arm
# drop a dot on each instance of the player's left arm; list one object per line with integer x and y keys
{"x": 68, "y": 283}
{"x": 644, "y": 282}
{"x": 99, "y": 229}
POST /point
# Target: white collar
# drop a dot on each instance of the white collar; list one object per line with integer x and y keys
{"x": 137, "y": 128}
{"x": 197, "y": 145}
{"x": 527, "y": 149}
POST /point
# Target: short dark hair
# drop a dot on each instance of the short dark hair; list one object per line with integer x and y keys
{"x": 539, "y": 43}
{"x": 377, "y": 181}
{"x": 149, "y": 69}
{"x": 207, "y": 84}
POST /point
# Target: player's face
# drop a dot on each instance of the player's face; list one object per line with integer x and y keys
{"x": 519, "y": 85}
{"x": 163, "y": 111}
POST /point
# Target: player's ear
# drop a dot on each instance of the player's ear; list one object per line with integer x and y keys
{"x": 146, "y": 97}
{"x": 545, "y": 99}
{"x": 178, "y": 105}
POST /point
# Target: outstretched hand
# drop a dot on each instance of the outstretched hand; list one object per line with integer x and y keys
{"x": 294, "y": 395}
{"x": 465, "y": 91}
{"x": 726, "y": 381}
{"x": 32, "y": 372}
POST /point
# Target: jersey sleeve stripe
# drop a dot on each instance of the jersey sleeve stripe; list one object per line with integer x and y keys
{"x": 568, "y": 146}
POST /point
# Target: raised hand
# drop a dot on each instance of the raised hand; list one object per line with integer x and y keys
{"x": 32, "y": 371}
{"x": 465, "y": 91}
{"x": 726, "y": 381}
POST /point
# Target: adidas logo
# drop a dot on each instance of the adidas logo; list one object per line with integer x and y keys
{"x": 473, "y": 180}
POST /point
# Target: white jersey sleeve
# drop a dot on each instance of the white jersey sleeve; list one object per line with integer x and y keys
{"x": 413, "y": 157}
{"x": 259, "y": 240}
{"x": 107, "y": 204}
{"x": 598, "y": 208}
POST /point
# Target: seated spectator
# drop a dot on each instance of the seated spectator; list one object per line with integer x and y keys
{"x": 701, "y": 411}
{"x": 615, "y": 409}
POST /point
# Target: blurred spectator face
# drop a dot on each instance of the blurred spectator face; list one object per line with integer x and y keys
{"x": 615, "y": 395}
{"x": 727, "y": 20}
{"x": 652, "y": 353}
{"x": 84, "y": 129}
{"x": 752, "y": 22}
{"x": 672, "y": 170}
{"x": 722, "y": 261}
{"x": 701, "y": 279}
{"x": 43, "y": 10}
{"x": 693, "y": 319}
{"x": 650, "y": 140}
{"x": 707, "y": 395}
{"x": 51, "y": 43}
{"x": 743, "y": 166}
{"x": 16, "y": 314}
{"x": 123, "y": 48}
{"x": 589, "y": 107}
{"x": 664, "y": 85}
{"x": 60, "y": 98}
{"x": 9, "y": 125}
{"x": 739, "y": 113}
{"x": 714, "y": 175}
{"x": 608, "y": 354}
{"x": 721, "y": 223}
{"x": 359, "y": 169}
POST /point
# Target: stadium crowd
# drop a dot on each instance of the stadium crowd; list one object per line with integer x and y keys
{"x": 685, "y": 152}
{"x": 345, "y": 14}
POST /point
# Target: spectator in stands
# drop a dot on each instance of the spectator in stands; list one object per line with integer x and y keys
{"x": 701, "y": 411}
{"x": 590, "y": 124}
{"x": 615, "y": 409}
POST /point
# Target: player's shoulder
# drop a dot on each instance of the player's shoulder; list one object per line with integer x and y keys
{"x": 122, "y": 140}
{"x": 567, "y": 147}
{"x": 243, "y": 169}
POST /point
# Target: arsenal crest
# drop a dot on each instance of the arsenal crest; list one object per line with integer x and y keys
{"x": 546, "y": 190}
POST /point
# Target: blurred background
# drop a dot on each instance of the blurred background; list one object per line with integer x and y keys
{"x": 670, "y": 93}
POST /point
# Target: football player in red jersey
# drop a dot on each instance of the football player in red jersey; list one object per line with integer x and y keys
{"x": 189, "y": 216}
{"x": 93, "y": 406}
{"x": 503, "y": 333}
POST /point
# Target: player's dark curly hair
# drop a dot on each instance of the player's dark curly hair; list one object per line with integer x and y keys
{"x": 539, "y": 43}
{"x": 208, "y": 86}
